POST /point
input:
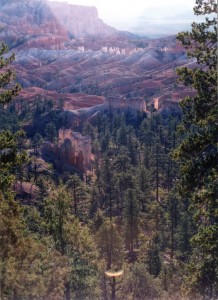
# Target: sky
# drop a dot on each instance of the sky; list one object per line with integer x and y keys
{"x": 124, "y": 14}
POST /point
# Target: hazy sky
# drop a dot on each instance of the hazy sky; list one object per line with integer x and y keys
{"x": 123, "y": 13}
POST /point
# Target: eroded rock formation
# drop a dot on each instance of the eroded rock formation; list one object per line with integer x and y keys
{"x": 31, "y": 23}
{"x": 118, "y": 102}
{"x": 171, "y": 100}
{"x": 73, "y": 151}
{"x": 48, "y": 25}
{"x": 165, "y": 103}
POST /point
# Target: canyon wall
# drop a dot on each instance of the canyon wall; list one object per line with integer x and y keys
{"x": 47, "y": 25}
{"x": 118, "y": 102}
{"x": 165, "y": 103}
{"x": 80, "y": 21}
{"x": 171, "y": 100}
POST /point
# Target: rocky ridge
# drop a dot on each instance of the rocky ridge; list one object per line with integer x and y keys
{"x": 141, "y": 72}
{"x": 57, "y": 41}
{"x": 47, "y": 25}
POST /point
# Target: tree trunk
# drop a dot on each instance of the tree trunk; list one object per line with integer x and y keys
{"x": 67, "y": 291}
{"x": 157, "y": 174}
{"x": 113, "y": 289}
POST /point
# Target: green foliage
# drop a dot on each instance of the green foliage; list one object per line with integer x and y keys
{"x": 153, "y": 257}
{"x": 110, "y": 244}
{"x": 28, "y": 267}
{"x": 131, "y": 215}
{"x": 51, "y": 132}
{"x": 73, "y": 241}
{"x": 10, "y": 157}
{"x": 197, "y": 153}
{"x": 8, "y": 90}
{"x": 9, "y": 120}
{"x": 37, "y": 142}
{"x": 139, "y": 284}
{"x": 83, "y": 258}
{"x": 74, "y": 185}
{"x": 138, "y": 220}
{"x": 10, "y": 154}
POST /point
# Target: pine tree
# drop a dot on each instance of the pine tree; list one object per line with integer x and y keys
{"x": 131, "y": 219}
{"x": 37, "y": 142}
{"x": 8, "y": 142}
{"x": 110, "y": 244}
{"x": 74, "y": 184}
{"x": 198, "y": 151}
{"x": 28, "y": 267}
{"x": 140, "y": 284}
{"x": 7, "y": 76}
{"x": 51, "y": 132}
{"x": 153, "y": 256}
{"x": 74, "y": 242}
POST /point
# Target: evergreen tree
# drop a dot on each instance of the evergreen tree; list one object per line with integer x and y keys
{"x": 140, "y": 284}
{"x": 153, "y": 256}
{"x": 9, "y": 156}
{"x": 75, "y": 243}
{"x": 74, "y": 185}
{"x": 28, "y": 267}
{"x": 143, "y": 184}
{"x": 131, "y": 219}
{"x": 122, "y": 132}
{"x": 7, "y": 76}
{"x": 37, "y": 142}
{"x": 51, "y": 132}
{"x": 198, "y": 151}
{"x": 106, "y": 182}
{"x": 110, "y": 244}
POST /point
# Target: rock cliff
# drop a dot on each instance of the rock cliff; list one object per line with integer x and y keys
{"x": 121, "y": 103}
{"x": 80, "y": 21}
{"x": 31, "y": 23}
{"x": 48, "y": 25}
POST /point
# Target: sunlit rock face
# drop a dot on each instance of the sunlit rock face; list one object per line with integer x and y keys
{"x": 47, "y": 25}
{"x": 171, "y": 100}
{"x": 80, "y": 21}
{"x": 72, "y": 151}
{"x": 76, "y": 147}
{"x": 120, "y": 103}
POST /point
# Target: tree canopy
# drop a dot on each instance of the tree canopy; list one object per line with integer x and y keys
{"x": 198, "y": 151}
